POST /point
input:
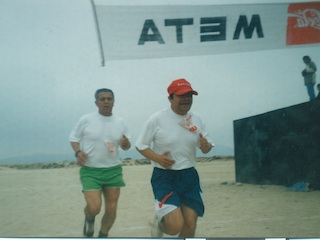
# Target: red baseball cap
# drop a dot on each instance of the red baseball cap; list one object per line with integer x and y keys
{"x": 180, "y": 87}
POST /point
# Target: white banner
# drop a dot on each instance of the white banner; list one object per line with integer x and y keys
{"x": 136, "y": 32}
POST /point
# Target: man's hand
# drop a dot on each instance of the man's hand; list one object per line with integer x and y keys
{"x": 304, "y": 73}
{"x": 125, "y": 143}
{"x": 165, "y": 161}
{"x": 204, "y": 145}
{"x": 81, "y": 159}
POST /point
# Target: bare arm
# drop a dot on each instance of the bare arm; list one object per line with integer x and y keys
{"x": 205, "y": 146}
{"x": 163, "y": 159}
{"x": 81, "y": 156}
{"x": 125, "y": 143}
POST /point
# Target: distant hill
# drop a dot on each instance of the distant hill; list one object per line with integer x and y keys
{"x": 38, "y": 158}
{"x": 219, "y": 150}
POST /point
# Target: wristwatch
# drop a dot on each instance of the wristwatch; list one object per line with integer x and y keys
{"x": 77, "y": 152}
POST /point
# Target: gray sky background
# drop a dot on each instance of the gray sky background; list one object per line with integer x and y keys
{"x": 50, "y": 68}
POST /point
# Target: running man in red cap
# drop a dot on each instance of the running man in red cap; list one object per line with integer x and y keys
{"x": 170, "y": 139}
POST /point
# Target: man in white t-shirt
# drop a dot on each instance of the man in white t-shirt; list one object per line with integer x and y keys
{"x": 95, "y": 140}
{"x": 170, "y": 139}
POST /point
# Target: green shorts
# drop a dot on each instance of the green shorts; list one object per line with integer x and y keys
{"x": 97, "y": 178}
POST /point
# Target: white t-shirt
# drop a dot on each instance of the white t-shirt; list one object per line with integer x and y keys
{"x": 168, "y": 131}
{"x": 100, "y": 137}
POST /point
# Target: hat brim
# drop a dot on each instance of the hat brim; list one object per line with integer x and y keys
{"x": 184, "y": 91}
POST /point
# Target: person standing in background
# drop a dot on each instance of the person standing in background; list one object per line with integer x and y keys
{"x": 95, "y": 139}
{"x": 318, "y": 87}
{"x": 309, "y": 75}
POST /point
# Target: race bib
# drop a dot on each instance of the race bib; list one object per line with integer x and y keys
{"x": 187, "y": 124}
{"x": 110, "y": 147}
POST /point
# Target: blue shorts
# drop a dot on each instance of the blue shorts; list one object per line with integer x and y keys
{"x": 173, "y": 188}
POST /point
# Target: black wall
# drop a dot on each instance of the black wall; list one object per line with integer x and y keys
{"x": 281, "y": 147}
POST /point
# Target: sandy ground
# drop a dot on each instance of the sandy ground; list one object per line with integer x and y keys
{"x": 49, "y": 203}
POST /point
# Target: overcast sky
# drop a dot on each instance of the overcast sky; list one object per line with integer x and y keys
{"x": 50, "y": 67}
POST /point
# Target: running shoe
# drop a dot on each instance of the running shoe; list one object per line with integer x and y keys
{"x": 102, "y": 235}
{"x": 88, "y": 228}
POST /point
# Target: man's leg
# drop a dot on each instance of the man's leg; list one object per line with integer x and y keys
{"x": 93, "y": 200}
{"x": 190, "y": 222}
{"x": 93, "y": 207}
{"x": 111, "y": 196}
{"x": 311, "y": 93}
{"x": 172, "y": 223}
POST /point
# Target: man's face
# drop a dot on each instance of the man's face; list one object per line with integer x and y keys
{"x": 105, "y": 103}
{"x": 181, "y": 104}
{"x": 306, "y": 60}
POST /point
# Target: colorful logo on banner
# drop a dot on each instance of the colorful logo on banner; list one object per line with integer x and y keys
{"x": 303, "y": 23}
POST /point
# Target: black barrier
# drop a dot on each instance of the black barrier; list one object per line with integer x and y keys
{"x": 280, "y": 147}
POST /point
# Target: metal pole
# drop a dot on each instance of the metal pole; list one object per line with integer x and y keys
{"x": 98, "y": 33}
